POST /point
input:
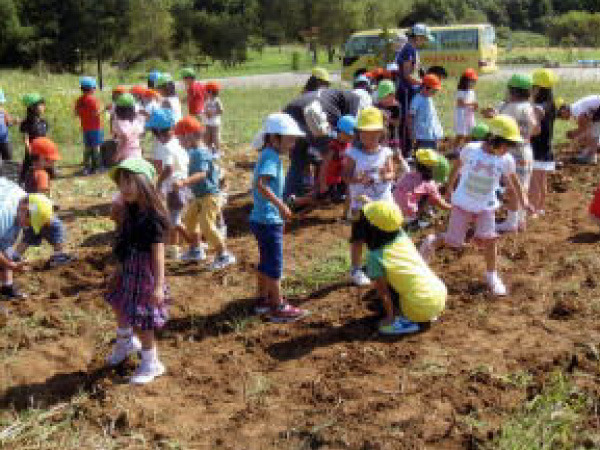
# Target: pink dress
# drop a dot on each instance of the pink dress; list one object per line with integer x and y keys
{"x": 410, "y": 190}
{"x": 128, "y": 134}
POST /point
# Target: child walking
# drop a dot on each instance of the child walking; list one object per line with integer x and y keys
{"x": 205, "y": 210}
{"x": 423, "y": 117}
{"x": 128, "y": 128}
{"x": 389, "y": 106}
{"x": 466, "y": 105}
{"x": 369, "y": 172}
{"x": 6, "y": 121}
{"x": 268, "y": 214}
{"x": 137, "y": 291}
{"x": 34, "y": 126}
{"x": 89, "y": 110}
{"x": 475, "y": 200}
{"x": 213, "y": 110}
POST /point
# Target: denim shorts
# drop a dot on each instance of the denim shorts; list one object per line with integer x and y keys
{"x": 93, "y": 138}
{"x": 270, "y": 247}
{"x": 53, "y": 233}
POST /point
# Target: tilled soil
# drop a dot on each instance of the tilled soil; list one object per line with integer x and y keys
{"x": 330, "y": 381}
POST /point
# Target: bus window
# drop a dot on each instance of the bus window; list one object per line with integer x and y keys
{"x": 466, "y": 39}
{"x": 488, "y": 36}
{"x": 363, "y": 45}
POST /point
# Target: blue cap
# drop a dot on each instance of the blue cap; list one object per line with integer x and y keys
{"x": 87, "y": 82}
{"x": 161, "y": 119}
{"x": 153, "y": 76}
{"x": 347, "y": 124}
{"x": 2, "y": 97}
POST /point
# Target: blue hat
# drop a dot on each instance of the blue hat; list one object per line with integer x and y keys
{"x": 87, "y": 82}
{"x": 153, "y": 76}
{"x": 2, "y": 97}
{"x": 347, "y": 124}
{"x": 161, "y": 119}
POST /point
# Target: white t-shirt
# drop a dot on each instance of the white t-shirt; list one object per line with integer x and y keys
{"x": 480, "y": 179}
{"x": 524, "y": 113}
{"x": 585, "y": 105}
{"x": 365, "y": 99}
{"x": 464, "y": 117}
{"x": 213, "y": 105}
{"x": 369, "y": 164}
{"x": 174, "y": 105}
{"x": 174, "y": 155}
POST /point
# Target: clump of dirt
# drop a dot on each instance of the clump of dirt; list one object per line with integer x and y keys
{"x": 565, "y": 308}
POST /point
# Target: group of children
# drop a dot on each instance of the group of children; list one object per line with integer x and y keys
{"x": 165, "y": 199}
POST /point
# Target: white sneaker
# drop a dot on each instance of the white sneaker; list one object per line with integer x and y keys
{"x": 222, "y": 261}
{"x": 147, "y": 371}
{"x": 223, "y": 231}
{"x": 426, "y": 249}
{"x": 123, "y": 349}
{"x": 359, "y": 278}
{"x": 194, "y": 254}
{"x": 507, "y": 226}
{"x": 496, "y": 285}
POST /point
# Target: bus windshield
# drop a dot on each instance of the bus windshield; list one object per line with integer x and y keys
{"x": 465, "y": 39}
{"x": 363, "y": 45}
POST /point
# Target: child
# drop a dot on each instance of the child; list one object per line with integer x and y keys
{"x": 369, "y": 171}
{"x": 170, "y": 100}
{"x": 88, "y": 108}
{"x": 586, "y": 111}
{"x": 268, "y": 215}
{"x": 171, "y": 162}
{"x": 415, "y": 189}
{"x": 362, "y": 88}
{"x": 137, "y": 291}
{"x": 423, "y": 117}
{"x": 213, "y": 110}
{"x": 387, "y": 103}
{"x": 466, "y": 105}
{"x": 475, "y": 200}
{"x": 520, "y": 108}
{"x": 412, "y": 295}
{"x": 543, "y": 160}
{"x": 34, "y": 126}
{"x": 196, "y": 92}
{"x": 44, "y": 153}
{"x": 204, "y": 182}
{"x": 18, "y": 211}
{"x": 152, "y": 77}
{"x": 5, "y": 121}
{"x": 150, "y": 102}
{"x": 128, "y": 128}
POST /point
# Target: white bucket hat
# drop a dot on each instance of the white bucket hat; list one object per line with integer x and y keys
{"x": 277, "y": 123}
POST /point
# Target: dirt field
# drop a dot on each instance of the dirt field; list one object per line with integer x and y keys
{"x": 329, "y": 382}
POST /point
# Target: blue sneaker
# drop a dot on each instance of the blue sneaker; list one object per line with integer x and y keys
{"x": 399, "y": 326}
{"x": 194, "y": 254}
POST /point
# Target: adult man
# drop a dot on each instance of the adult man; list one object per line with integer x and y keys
{"x": 18, "y": 211}
{"x": 407, "y": 82}
{"x": 586, "y": 112}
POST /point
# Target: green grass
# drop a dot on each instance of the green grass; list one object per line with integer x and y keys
{"x": 545, "y": 55}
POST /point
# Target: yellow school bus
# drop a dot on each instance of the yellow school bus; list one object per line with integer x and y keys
{"x": 455, "y": 48}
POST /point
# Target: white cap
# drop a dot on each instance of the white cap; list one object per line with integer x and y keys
{"x": 392, "y": 67}
{"x": 277, "y": 123}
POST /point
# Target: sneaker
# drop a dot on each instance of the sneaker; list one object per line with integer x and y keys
{"x": 399, "y": 326}
{"x": 194, "y": 254}
{"x": 223, "y": 260}
{"x": 123, "y": 349}
{"x": 223, "y": 231}
{"x": 12, "y": 293}
{"x": 426, "y": 248}
{"x": 262, "y": 306}
{"x": 359, "y": 278}
{"x": 59, "y": 259}
{"x": 147, "y": 372}
{"x": 507, "y": 227}
{"x": 285, "y": 313}
{"x": 496, "y": 285}
{"x": 587, "y": 159}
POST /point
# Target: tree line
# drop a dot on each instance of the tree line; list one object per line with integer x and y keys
{"x": 63, "y": 33}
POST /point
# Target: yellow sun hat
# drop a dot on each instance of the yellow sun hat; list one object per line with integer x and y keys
{"x": 427, "y": 157}
{"x": 545, "y": 78}
{"x": 370, "y": 119}
{"x": 41, "y": 211}
{"x": 506, "y": 127}
{"x": 321, "y": 74}
{"x": 384, "y": 215}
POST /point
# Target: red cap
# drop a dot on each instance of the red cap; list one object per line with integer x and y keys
{"x": 119, "y": 90}
{"x": 43, "y": 146}
{"x": 138, "y": 90}
{"x": 188, "y": 125}
{"x": 471, "y": 74}
{"x": 432, "y": 81}
{"x": 213, "y": 86}
{"x": 150, "y": 93}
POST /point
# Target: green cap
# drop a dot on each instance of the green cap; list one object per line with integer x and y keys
{"x": 126, "y": 100}
{"x": 480, "y": 131}
{"x": 163, "y": 79}
{"x": 32, "y": 99}
{"x": 385, "y": 88}
{"x": 134, "y": 165}
{"x": 441, "y": 171}
{"x": 188, "y": 72}
{"x": 520, "y": 81}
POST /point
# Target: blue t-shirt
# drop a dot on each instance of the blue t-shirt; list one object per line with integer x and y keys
{"x": 426, "y": 123}
{"x": 202, "y": 160}
{"x": 3, "y": 128}
{"x": 408, "y": 53}
{"x": 268, "y": 165}
{"x": 9, "y": 205}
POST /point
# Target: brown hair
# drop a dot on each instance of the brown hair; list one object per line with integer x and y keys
{"x": 148, "y": 197}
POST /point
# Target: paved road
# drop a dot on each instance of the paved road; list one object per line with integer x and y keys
{"x": 291, "y": 79}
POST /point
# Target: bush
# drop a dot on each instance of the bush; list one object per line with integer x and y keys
{"x": 575, "y": 28}
{"x": 295, "y": 60}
